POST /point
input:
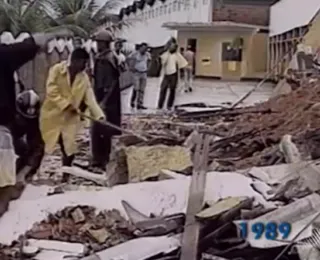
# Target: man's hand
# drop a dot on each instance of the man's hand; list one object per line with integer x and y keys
{"x": 103, "y": 118}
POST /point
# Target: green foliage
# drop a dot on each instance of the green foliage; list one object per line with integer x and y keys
{"x": 80, "y": 16}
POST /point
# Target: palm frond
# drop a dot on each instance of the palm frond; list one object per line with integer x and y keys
{"x": 80, "y": 16}
{"x": 107, "y": 8}
{"x": 77, "y": 30}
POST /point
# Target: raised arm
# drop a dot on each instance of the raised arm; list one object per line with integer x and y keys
{"x": 17, "y": 54}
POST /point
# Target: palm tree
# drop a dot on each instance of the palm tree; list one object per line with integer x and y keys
{"x": 83, "y": 17}
{"x": 80, "y": 16}
{"x": 19, "y": 16}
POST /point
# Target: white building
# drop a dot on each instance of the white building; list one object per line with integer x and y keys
{"x": 288, "y": 32}
{"x": 147, "y": 21}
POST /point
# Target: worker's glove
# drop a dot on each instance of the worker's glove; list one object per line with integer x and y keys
{"x": 42, "y": 39}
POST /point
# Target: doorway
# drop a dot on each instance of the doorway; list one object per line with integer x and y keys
{"x": 231, "y": 59}
{"x": 193, "y": 45}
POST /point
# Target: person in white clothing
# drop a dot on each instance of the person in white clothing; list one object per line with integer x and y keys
{"x": 172, "y": 61}
{"x": 188, "y": 71}
{"x": 118, "y": 46}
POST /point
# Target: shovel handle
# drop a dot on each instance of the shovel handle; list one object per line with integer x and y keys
{"x": 108, "y": 124}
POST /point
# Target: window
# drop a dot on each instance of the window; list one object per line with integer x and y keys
{"x": 186, "y": 4}
{"x": 174, "y": 6}
{"x": 169, "y": 8}
{"x": 230, "y": 53}
{"x": 161, "y": 10}
{"x": 156, "y": 12}
{"x": 165, "y": 9}
{"x": 195, "y": 4}
{"x": 178, "y": 5}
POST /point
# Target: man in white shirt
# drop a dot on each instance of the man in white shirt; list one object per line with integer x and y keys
{"x": 188, "y": 71}
{"x": 172, "y": 61}
{"x": 139, "y": 63}
{"x": 118, "y": 45}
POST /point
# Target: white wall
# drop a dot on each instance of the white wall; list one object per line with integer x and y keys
{"x": 147, "y": 25}
{"x": 286, "y": 15}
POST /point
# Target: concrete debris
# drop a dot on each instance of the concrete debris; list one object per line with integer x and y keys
{"x": 74, "y": 248}
{"x": 264, "y": 159}
{"x": 289, "y": 150}
{"x": 75, "y": 171}
{"x": 217, "y": 208}
{"x": 147, "y": 161}
{"x": 140, "y": 248}
{"x": 96, "y": 231}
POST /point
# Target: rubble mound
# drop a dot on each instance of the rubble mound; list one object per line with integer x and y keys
{"x": 83, "y": 224}
{"x": 251, "y": 139}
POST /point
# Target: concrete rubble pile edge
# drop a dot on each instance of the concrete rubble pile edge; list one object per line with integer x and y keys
{"x": 283, "y": 192}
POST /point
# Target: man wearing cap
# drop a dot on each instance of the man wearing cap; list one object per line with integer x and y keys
{"x": 107, "y": 90}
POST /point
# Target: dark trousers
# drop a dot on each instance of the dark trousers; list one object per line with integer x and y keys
{"x": 133, "y": 98}
{"x": 169, "y": 82}
{"x": 66, "y": 160}
{"x": 100, "y": 145}
{"x": 21, "y": 149}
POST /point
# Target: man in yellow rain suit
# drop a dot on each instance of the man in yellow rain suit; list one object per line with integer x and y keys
{"x": 68, "y": 87}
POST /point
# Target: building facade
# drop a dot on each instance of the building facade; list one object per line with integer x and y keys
{"x": 146, "y": 18}
{"x": 289, "y": 32}
{"x": 234, "y": 43}
{"x": 229, "y": 37}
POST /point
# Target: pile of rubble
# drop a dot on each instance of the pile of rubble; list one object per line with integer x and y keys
{"x": 241, "y": 137}
{"x": 83, "y": 225}
{"x": 253, "y": 139}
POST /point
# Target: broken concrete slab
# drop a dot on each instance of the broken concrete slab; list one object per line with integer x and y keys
{"x": 308, "y": 252}
{"x": 140, "y": 248}
{"x": 298, "y": 214}
{"x": 275, "y": 174}
{"x": 290, "y": 150}
{"x": 293, "y": 180}
{"x": 99, "y": 179}
{"x": 100, "y": 235}
{"x": 217, "y": 208}
{"x": 74, "y": 248}
{"x": 159, "y": 198}
{"x": 167, "y": 174}
{"x": 147, "y": 161}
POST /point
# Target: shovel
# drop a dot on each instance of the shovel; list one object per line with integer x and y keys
{"x": 108, "y": 124}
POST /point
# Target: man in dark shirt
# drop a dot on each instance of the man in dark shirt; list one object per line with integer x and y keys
{"x": 27, "y": 139}
{"x": 12, "y": 57}
{"x": 107, "y": 91}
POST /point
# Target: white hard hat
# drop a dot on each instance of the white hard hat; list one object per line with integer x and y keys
{"x": 28, "y": 103}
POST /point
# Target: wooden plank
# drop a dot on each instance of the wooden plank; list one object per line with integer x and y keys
{"x": 189, "y": 246}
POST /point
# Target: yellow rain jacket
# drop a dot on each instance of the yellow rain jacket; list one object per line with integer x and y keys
{"x": 55, "y": 119}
